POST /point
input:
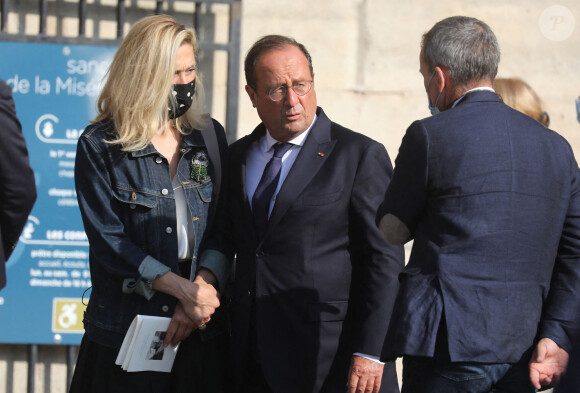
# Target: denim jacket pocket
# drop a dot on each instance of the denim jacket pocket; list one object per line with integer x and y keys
{"x": 205, "y": 191}
{"x": 138, "y": 210}
{"x": 135, "y": 197}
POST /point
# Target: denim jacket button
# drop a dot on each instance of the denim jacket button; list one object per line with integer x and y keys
{"x": 132, "y": 206}
{"x": 168, "y": 230}
{"x": 159, "y": 160}
{"x": 164, "y": 191}
{"x": 165, "y": 308}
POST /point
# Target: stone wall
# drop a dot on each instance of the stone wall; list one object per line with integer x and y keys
{"x": 366, "y": 56}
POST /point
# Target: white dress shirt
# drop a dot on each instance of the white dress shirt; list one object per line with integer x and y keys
{"x": 184, "y": 227}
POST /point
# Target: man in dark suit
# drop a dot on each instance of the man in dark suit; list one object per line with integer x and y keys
{"x": 315, "y": 281}
{"x": 17, "y": 188}
{"x": 492, "y": 200}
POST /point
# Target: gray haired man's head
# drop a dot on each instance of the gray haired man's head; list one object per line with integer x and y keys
{"x": 464, "y": 46}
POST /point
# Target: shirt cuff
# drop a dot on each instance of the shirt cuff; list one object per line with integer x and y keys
{"x": 149, "y": 270}
{"x": 218, "y": 264}
{"x": 375, "y": 359}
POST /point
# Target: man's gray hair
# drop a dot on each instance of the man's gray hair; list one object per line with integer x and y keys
{"x": 465, "y": 46}
{"x": 266, "y": 44}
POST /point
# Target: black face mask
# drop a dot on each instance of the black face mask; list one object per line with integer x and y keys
{"x": 183, "y": 94}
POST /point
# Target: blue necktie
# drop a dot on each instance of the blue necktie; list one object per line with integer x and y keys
{"x": 267, "y": 187}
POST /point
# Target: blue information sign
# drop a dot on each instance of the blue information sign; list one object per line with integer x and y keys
{"x": 55, "y": 88}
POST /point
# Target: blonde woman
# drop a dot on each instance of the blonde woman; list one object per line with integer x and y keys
{"x": 520, "y": 96}
{"x": 149, "y": 177}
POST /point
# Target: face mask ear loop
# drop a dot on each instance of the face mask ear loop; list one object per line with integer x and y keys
{"x": 428, "y": 85}
{"x": 434, "y": 109}
{"x": 441, "y": 92}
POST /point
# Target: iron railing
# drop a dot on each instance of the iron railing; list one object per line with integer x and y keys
{"x": 126, "y": 12}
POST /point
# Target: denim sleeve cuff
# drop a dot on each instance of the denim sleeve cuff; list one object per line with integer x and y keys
{"x": 218, "y": 264}
{"x": 149, "y": 270}
{"x": 369, "y": 357}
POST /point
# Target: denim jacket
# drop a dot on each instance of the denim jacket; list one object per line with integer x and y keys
{"x": 127, "y": 205}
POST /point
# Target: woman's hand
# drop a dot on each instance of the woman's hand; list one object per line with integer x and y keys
{"x": 197, "y": 301}
{"x": 179, "y": 328}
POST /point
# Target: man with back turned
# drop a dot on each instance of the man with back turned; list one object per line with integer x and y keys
{"x": 491, "y": 199}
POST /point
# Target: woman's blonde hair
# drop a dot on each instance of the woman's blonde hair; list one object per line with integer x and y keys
{"x": 139, "y": 82}
{"x": 520, "y": 96}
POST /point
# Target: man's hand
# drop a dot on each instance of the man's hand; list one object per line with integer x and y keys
{"x": 548, "y": 363}
{"x": 179, "y": 328}
{"x": 364, "y": 375}
{"x": 200, "y": 302}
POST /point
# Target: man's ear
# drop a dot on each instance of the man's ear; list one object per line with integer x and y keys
{"x": 252, "y": 94}
{"x": 442, "y": 78}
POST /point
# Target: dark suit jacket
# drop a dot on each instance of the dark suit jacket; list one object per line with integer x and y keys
{"x": 571, "y": 381}
{"x": 321, "y": 284}
{"x": 492, "y": 200}
{"x": 17, "y": 188}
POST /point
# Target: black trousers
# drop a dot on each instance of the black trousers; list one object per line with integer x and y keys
{"x": 254, "y": 381}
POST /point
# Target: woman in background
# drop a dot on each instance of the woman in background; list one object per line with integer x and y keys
{"x": 149, "y": 179}
{"x": 520, "y": 96}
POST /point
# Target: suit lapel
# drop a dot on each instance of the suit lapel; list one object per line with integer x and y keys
{"x": 316, "y": 149}
{"x": 240, "y": 187}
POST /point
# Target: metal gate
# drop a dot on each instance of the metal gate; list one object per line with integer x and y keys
{"x": 104, "y": 22}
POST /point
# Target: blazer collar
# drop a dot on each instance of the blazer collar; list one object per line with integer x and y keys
{"x": 479, "y": 96}
{"x": 322, "y": 127}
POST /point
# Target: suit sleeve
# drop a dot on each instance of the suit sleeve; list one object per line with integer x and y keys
{"x": 407, "y": 193}
{"x": 560, "y": 319}
{"x": 17, "y": 185}
{"x": 376, "y": 263}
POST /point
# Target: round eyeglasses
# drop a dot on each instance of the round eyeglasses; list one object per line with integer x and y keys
{"x": 301, "y": 88}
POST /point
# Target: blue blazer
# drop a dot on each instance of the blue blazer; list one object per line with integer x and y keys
{"x": 492, "y": 201}
{"x": 321, "y": 284}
